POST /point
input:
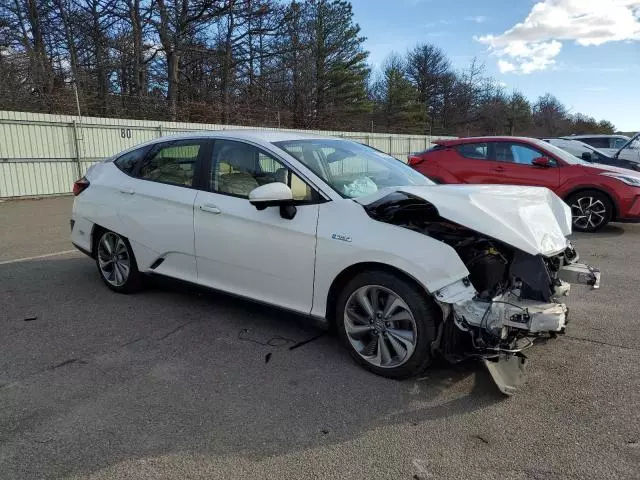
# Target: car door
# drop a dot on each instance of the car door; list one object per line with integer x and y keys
{"x": 471, "y": 163}
{"x": 249, "y": 252}
{"x": 156, "y": 210}
{"x": 512, "y": 163}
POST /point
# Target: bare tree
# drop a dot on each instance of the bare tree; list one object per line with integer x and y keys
{"x": 177, "y": 22}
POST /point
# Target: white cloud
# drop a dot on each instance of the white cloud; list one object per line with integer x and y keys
{"x": 534, "y": 44}
{"x": 506, "y": 66}
{"x": 477, "y": 19}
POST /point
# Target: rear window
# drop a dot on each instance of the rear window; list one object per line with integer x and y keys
{"x": 433, "y": 148}
{"x": 127, "y": 162}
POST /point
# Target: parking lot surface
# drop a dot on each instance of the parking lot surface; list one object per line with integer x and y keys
{"x": 177, "y": 382}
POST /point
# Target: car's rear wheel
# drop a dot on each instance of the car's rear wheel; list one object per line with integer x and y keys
{"x": 387, "y": 322}
{"x": 116, "y": 263}
{"x": 590, "y": 210}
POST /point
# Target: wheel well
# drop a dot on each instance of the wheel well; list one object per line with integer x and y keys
{"x": 95, "y": 235}
{"x": 348, "y": 273}
{"x": 591, "y": 189}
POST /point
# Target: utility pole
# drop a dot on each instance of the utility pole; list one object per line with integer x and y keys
{"x": 75, "y": 91}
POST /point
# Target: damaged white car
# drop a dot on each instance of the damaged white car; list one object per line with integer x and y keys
{"x": 404, "y": 269}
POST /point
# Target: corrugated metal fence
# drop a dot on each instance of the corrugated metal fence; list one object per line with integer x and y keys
{"x": 43, "y": 154}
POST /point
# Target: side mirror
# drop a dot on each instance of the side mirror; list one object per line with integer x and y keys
{"x": 587, "y": 156}
{"x": 274, "y": 194}
{"x": 542, "y": 162}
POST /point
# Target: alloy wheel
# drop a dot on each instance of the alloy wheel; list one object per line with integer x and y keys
{"x": 380, "y": 326}
{"x": 588, "y": 212}
{"x": 113, "y": 259}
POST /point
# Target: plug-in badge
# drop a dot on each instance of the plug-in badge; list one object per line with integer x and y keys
{"x": 342, "y": 237}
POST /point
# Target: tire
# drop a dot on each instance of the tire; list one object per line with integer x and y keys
{"x": 117, "y": 267}
{"x": 590, "y": 210}
{"x": 377, "y": 341}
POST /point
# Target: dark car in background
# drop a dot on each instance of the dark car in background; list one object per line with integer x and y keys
{"x": 596, "y": 193}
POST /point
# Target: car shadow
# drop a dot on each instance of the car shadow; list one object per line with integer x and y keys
{"x": 179, "y": 368}
{"x": 608, "y": 231}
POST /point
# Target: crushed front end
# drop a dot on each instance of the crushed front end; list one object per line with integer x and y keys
{"x": 509, "y": 299}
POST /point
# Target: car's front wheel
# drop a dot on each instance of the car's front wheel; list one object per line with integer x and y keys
{"x": 387, "y": 322}
{"x": 116, "y": 263}
{"x": 590, "y": 210}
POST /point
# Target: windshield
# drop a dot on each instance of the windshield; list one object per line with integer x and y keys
{"x": 350, "y": 168}
{"x": 560, "y": 153}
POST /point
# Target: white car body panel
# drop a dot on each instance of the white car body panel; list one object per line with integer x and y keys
{"x": 256, "y": 253}
{"x": 348, "y": 236}
{"x": 532, "y": 219}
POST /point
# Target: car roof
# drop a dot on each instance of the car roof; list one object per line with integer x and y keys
{"x": 246, "y": 134}
{"x": 460, "y": 141}
{"x": 598, "y": 135}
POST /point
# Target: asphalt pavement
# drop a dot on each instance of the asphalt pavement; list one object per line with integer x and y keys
{"x": 177, "y": 382}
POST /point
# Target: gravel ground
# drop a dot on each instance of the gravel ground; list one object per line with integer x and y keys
{"x": 164, "y": 384}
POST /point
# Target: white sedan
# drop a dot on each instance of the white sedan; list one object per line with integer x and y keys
{"x": 405, "y": 270}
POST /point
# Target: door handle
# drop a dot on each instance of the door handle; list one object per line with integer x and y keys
{"x": 499, "y": 169}
{"x": 127, "y": 191}
{"x": 210, "y": 208}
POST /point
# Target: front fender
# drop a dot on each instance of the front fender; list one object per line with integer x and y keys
{"x": 431, "y": 263}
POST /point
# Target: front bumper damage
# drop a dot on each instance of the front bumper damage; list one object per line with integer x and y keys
{"x": 513, "y": 242}
{"x": 508, "y": 324}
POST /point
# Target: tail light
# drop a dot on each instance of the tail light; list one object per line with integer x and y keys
{"x": 415, "y": 160}
{"x": 80, "y": 186}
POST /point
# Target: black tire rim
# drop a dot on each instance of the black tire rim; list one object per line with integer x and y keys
{"x": 588, "y": 212}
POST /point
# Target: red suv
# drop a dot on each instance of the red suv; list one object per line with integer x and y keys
{"x": 597, "y": 194}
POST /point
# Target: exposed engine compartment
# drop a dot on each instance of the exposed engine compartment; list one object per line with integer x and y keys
{"x": 494, "y": 267}
{"x": 509, "y": 298}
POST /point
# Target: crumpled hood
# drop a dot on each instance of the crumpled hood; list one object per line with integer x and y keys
{"x": 532, "y": 219}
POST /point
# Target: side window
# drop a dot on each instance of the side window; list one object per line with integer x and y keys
{"x": 517, "y": 153}
{"x": 476, "y": 151}
{"x": 127, "y": 162}
{"x": 597, "y": 142}
{"x": 173, "y": 162}
{"x": 619, "y": 143}
{"x": 524, "y": 155}
{"x": 238, "y": 168}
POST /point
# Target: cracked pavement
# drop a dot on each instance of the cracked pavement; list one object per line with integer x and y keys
{"x": 162, "y": 385}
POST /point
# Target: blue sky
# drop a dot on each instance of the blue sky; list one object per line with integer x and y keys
{"x": 585, "y": 52}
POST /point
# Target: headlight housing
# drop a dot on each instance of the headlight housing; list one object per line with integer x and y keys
{"x": 628, "y": 179}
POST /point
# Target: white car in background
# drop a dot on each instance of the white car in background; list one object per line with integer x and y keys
{"x": 607, "y": 144}
{"x": 404, "y": 269}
